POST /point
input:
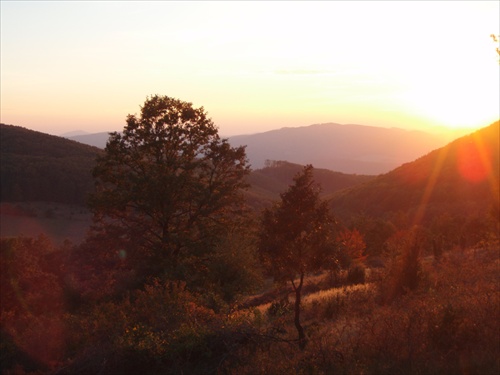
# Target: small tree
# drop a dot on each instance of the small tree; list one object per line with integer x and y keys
{"x": 296, "y": 237}
{"x": 405, "y": 273}
{"x": 168, "y": 185}
{"x": 352, "y": 245}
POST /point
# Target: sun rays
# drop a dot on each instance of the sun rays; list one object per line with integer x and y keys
{"x": 431, "y": 183}
{"x": 473, "y": 163}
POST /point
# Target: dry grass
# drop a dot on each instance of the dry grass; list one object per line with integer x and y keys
{"x": 326, "y": 294}
{"x": 449, "y": 325}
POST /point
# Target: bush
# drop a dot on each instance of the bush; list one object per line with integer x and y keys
{"x": 405, "y": 271}
{"x": 356, "y": 274}
{"x": 279, "y": 308}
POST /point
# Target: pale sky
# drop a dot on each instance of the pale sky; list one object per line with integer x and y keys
{"x": 254, "y": 66}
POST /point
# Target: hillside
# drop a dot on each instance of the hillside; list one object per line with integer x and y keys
{"x": 56, "y": 169}
{"x": 41, "y": 167}
{"x": 422, "y": 304}
{"x": 267, "y": 183}
{"x": 461, "y": 178}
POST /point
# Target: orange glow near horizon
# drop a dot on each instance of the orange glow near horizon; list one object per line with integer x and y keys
{"x": 473, "y": 162}
{"x": 306, "y": 63}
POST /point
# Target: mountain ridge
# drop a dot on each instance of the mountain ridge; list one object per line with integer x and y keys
{"x": 42, "y": 167}
{"x": 345, "y": 148}
{"x": 461, "y": 178}
{"x": 351, "y": 148}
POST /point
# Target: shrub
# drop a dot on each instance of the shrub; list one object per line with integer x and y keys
{"x": 356, "y": 274}
{"x": 279, "y": 308}
{"x": 405, "y": 272}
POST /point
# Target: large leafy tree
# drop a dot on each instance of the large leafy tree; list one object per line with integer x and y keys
{"x": 168, "y": 185}
{"x": 297, "y": 237}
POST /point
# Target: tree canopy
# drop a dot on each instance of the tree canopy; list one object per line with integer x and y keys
{"x": 168, "y": 184}
{"x": 297, "y": 232}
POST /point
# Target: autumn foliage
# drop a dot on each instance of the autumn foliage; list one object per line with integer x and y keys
{"x": 177, "y": 276}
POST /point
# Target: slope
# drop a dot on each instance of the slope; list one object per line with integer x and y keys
{"x": 267, "y": 183}
{"x": 40, "y": 167}
{"x": 461, "y": 178}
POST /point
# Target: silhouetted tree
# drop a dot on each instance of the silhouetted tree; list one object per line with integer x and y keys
{"x": 297, "y": 237}
{"x": 168, "y": 185}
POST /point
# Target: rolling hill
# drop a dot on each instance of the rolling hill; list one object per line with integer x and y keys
{"x": 40, "y": 167}
{"x": 461, "y": 178}
{"x": 267, "y": 183}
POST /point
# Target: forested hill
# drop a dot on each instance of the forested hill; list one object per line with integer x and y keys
{"x": 40, "y": 167}
{"x": 267, "y": 183}
{"x": 459, "y": 179}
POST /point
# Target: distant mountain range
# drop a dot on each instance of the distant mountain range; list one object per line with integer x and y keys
{"x": 95, "y": 139}
{"x": 344, "y": 148}
{"x": 460, "y": 179}
{"x": 41, "y": 167}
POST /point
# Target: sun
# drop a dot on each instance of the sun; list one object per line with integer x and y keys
{"x": 452, "y": 79}
{"x": 457, "y": 98}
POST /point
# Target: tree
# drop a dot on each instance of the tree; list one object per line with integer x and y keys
{"x": 404, "y": 275}
{"x": 297, "y": 236}
{"x": 168, "y": 185}
{"x": 352, "y": 244}
{"x": 32, "y": 304}
{"x": 375, "y": 232}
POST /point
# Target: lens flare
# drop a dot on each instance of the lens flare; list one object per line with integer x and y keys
{"x": 474, "y": 160}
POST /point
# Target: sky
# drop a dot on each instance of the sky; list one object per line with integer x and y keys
{"x": 253, "y": 66}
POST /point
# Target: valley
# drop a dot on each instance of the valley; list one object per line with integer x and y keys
{"x": 410, "y": 266}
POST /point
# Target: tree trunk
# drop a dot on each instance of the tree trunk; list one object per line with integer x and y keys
{"x": 300, "y": 330}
